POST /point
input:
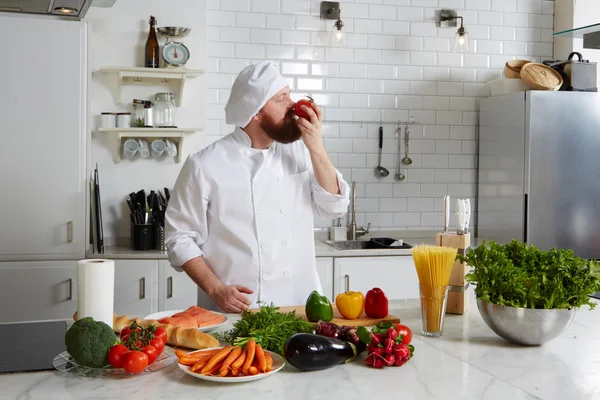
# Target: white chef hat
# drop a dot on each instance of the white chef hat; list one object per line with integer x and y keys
{"x": 252, "y": 88}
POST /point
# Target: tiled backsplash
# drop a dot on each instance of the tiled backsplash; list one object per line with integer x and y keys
{"x": 396, "y": 64}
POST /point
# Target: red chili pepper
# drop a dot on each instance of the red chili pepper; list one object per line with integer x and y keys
{"x": 376, "y": 303}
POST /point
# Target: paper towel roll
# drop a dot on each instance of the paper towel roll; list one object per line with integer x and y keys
{"x": 96, "y": 290}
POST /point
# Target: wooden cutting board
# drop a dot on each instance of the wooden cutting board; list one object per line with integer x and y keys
{"x": 338, "y": 319}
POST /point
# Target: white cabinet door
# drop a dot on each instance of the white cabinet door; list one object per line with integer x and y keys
{"x": 325, "y": 271}
{"x": 32, "y": 291}
{"x": 136, "y": 287}
{"x": 396, "y": 276}
{"x": 176, "y": 290}
{"x": 44, "y": 108}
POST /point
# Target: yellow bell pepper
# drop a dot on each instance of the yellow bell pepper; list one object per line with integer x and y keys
{"x": 350, "y": 304}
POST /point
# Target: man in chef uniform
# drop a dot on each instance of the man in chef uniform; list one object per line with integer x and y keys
{"x": 240, "y": 217}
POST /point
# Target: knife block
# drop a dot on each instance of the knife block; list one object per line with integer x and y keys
{"x": 458, "y": 295}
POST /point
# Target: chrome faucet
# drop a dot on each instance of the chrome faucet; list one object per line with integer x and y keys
{"x": 353, "y": 231}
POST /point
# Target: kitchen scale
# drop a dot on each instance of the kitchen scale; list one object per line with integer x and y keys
{"x": 174, "y": 54}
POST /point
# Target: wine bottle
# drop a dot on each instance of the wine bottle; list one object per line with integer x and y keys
{"x": 152, "y": 53}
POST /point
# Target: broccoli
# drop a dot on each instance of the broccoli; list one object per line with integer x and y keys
{"x": 88, "y": 342}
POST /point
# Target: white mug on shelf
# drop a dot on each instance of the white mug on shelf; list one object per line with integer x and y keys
{"x": 158, "y": 147}
{"x": 130, "y": 147}
{"x": 171, "y": 148}
{"x": 144, "y": 150}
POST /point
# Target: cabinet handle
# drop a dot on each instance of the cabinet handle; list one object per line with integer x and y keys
{"x": 70, "y": 296}
{"x": 347, "y": 277}
{"x": 169, "y": 287}
{"x": 70, "y": 232}
{"x": 142, "y": 288}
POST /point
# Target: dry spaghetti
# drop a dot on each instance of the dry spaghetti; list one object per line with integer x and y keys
{"x": 434, "y": 266}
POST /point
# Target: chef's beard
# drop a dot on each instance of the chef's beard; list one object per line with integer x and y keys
{"x": 286, "y": 131}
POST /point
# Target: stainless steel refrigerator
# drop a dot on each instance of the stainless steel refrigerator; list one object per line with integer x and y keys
{"x": 539, "y": 170}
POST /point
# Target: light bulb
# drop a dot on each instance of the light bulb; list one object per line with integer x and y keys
{"x": 339, "y": 35}
{"x": 461, "y": 40}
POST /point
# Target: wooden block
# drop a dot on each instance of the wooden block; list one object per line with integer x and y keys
{"x": 457, "y": 303}
{"x": 448, "y": 239}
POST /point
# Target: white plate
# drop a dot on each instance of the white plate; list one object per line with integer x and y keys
{"x": 164, "y": 314}
{"x": 278, "y": 363}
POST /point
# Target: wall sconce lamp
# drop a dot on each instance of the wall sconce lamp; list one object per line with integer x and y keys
{"x": 447, "y": 18}
{"x": 331, "y": 10}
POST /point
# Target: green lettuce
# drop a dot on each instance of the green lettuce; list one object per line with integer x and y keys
{"x": 521, "y": 275}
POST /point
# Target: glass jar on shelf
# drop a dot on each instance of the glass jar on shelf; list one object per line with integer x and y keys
{"x": 138, "y": 119}
{"x": 164, "y": 110}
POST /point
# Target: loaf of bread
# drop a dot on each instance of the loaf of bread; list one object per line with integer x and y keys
{"x": 190, "y": 338}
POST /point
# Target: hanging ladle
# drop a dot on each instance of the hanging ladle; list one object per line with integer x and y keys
{"x": 381, "y": 171}
{"x": 406, "y": 160}
{"x": 399, "y": 175}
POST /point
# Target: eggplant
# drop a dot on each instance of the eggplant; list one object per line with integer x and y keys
{"x": 310, "y": 352}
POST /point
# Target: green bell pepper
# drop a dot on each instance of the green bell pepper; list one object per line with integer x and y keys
{"x": 318, "y": 308}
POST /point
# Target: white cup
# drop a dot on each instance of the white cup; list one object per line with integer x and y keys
{"x": 144, "y": 151}
{"x": 170, "y": 148}
{"x": 158, "y": 147}
{"x": 130, "y": 147}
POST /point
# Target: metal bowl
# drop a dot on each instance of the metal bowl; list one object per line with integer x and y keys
{"x": 525, "y": 326}
{"x": 173, "y": 31}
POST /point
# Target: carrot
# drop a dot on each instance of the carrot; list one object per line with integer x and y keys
{"x": 237, "y": 364}
{"x": 250, "y": 349}
{"x": 233, "y": 355}
{"x": 235, "y": 372}
{"x": 192, "y": 358}
{"x": 269, "y": 361}
{"x": 198, "y": 365}
{"x": 214, "y": 370}
{"x": 260, "y": 357}
{"x": 181, "y": 353}
{"x": 216, "y": 359}
{"x": 252, "y": 370}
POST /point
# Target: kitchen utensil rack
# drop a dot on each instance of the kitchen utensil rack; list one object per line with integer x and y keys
{"x": 122, "y": 134}
{"x": 175, "y": 77}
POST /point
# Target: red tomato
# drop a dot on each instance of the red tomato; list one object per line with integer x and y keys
{"x": 151, "y": 352}
{"x": 115, "y": 355}
{"x": 135, "y": 361}
{"x": 158, "y": 344}
{"x": 161, "y": 333}
{"x": 405, "y": 332}
{"x": 125, "y": 332}
{"x": 300, "y": 112}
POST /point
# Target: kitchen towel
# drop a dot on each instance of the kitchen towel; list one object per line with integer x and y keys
{"x": 96, "y": 290}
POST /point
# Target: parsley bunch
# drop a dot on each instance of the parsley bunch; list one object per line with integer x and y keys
{"x": 519, "y": 275}
{"x": 268, "y": 326}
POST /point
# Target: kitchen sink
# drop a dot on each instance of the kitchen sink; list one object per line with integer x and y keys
{"x": 371, "y": 244}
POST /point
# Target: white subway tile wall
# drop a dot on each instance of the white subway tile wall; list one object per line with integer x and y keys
{"x": 396, "y": 64}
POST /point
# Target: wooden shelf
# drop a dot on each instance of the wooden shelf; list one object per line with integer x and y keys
{"x": 122, "y": 134}
{"x": 175, "y": 77}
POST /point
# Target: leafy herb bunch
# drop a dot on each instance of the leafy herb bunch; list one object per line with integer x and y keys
{"x": 520, "y": 275}
{"x": 268, "y": 326}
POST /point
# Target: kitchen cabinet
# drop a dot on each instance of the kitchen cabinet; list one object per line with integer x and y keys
{"x": 396, "y": 276}
{"x": 325, "y": 271}
{"x": 136, "y": 287}
{"x": 31, "y": 291}
{"x": 44, "y": 123}
{"x": 176, "y": 290}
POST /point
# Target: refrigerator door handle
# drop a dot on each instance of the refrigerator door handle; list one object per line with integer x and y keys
{"x": 525, "y": 218}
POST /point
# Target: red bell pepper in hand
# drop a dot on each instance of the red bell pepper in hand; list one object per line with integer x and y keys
{"x": 376, "y": 303}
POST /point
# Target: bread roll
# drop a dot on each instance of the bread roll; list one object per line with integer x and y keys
{"x": 176, "y": 336}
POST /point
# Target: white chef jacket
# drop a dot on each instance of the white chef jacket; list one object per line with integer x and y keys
{"x": 249, "y": 213}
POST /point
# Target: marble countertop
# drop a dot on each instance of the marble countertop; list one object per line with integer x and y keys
{"x": 322, "y": 249}
{"x": 468, "y": 362}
